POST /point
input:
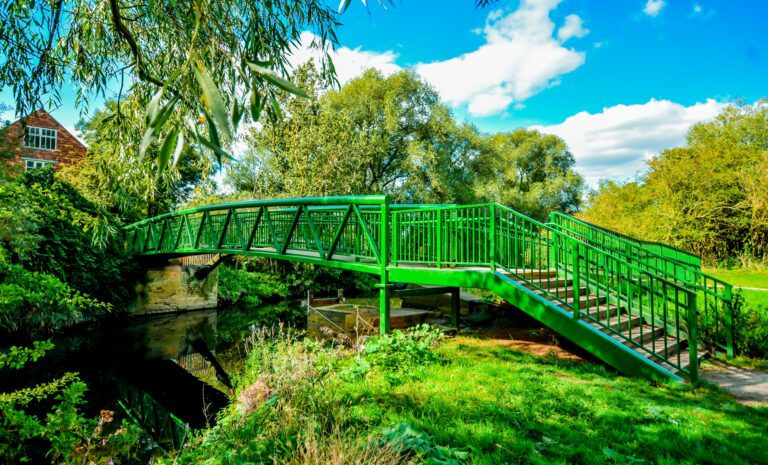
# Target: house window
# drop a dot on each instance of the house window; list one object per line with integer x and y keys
{"x": 36, "y": 163}
{"x": 40, "y": 138}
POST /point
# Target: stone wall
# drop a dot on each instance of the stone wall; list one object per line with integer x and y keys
{"x": 175, "y": 286}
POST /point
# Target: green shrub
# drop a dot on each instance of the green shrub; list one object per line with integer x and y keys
{"x": 33, "y": 301}
{"x": 46, "y": 226}
{"x": 285, "y": 411}
{"x": 302, "y": 277}
{"x": 750, "y": 328}
{"x": 400, "y": 355}
{"x": 411, "y": 442}
{"x": 238, "y": 286}
{"x": 44, "y": 422}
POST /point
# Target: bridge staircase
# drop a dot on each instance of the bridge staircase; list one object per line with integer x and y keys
{"x": 636, "y": 317}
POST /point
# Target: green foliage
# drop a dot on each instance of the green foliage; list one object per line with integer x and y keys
{"x": 48, "y": 228}
{"x": 529, "y": 172}
{"x": 238, "y": 286}
{"x": 17, "y": 357}
{"x": 118, "y": 180}
{"x": 391, "y": 134}
{"x": 285, "y": 412}
{"x": 45, "y": 421}
{"x": 410, "y": 441}
{"x": 404, "y": 350}
{"x": 376, "y": 134}
{"x": 279, "y": 278}
{"x": 708, "y": 197}
{"x": 31, "y": 300}
{"x": 399, "y": 355}
{"x": 750, "y": 327}
{"x": 185, "y": 58}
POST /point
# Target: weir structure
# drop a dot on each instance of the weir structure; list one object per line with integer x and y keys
{"x": 645, "y": 309}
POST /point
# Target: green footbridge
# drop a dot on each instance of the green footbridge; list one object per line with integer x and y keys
{"x": 644, "y": 308}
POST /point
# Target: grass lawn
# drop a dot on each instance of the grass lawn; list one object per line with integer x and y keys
{"x": 299, "y": 403}
{"x": 748, "y": 279}
{"x": 512, "y": 407}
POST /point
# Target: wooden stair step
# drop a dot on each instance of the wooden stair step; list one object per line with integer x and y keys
{"x": 602, "y": 311}
{"x": 618, "y": 321}
{"x": 587, "y": 301}
{"x": 645, "y": 333}
{"x": 562, "y": 292}
{"x": 529, "y": 274}
{"x": 549, "y": 283}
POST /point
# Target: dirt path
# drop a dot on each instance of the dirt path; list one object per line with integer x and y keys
{"x": 749, "y": 387}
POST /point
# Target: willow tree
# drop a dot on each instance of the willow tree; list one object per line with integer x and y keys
{"x": 200, "y": 67}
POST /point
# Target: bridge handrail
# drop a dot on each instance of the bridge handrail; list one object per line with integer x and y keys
{"x": 339, "y": 201}
{"x": 691, "y": 260}
{"x": 481, "y": 241}
{"x": 687, "y": 274}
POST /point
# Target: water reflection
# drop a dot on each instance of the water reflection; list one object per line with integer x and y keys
{"x": 168, "y": 373}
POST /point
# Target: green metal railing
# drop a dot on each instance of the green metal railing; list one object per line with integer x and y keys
{"x": 332, "y": 229}
{"x": 664, "y": 251}
{"x": 715, "y": 303}
{"x": 631, "y": 303}
{"x": 627, "y": 301}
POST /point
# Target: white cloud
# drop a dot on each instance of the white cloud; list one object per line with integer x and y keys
{"x": 520, "y": 58}
{"x": 573, "y": 27}
{"x": 349, "y": 62}
{"x": 615, "y": 142}
{"x": 653, "y": 7}
{"x": 697, "y": 8}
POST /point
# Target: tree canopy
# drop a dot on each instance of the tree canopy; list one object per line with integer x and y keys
{"x": 376, "y": 134}
{"x": 531, "y": 172}
{"x": 392, "y": 134}
{"x": 708, "y": 196}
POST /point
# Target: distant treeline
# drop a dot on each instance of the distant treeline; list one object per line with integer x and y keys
{"x": 709, "y": 197}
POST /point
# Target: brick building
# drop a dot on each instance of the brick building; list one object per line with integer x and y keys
{"x": 44, "y": 141}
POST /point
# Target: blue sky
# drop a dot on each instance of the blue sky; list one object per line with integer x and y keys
{"x": 618, "y": 80}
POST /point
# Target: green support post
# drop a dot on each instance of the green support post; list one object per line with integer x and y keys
{"x": 693, "y": 339}
{"x": 455, "y": 307}
{"x": 728, "y": 304}
{"x": 493, "y": 238}
{"x": 439, "y": 238}
{"x": 384, "y": 253}
{"x": 384, "y": 308}
{"x": 575, "y": 275}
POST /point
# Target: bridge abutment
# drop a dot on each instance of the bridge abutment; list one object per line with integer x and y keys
{"x": 178, "y": 285}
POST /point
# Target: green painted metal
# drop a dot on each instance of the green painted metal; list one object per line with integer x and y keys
{"x": 715, "y": 305}
{"x": 612, "y": 307}
{"x": 668, "y": 252}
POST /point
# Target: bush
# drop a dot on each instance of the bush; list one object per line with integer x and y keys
{"x": 400, "y": 355}
{"x": 409, "y": 441}
{"x": 46, "y": 226}
{"x": 248, "y": 288}
{"x": 302, "y": 277}
{"x": 44, "y": 422}
{"x": 33, "y": 301}
{"x": 751, "y": 328}
{"x": 285, "y": 411}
